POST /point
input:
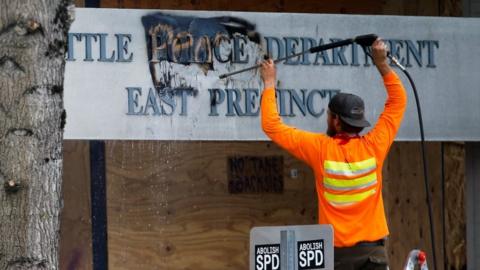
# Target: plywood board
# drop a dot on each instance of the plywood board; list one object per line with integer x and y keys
{"x": 405, "y": 201}
{"x": 75, "y": 230}
{"x": 169, "y": 206}
{"x": 168, "y": 201}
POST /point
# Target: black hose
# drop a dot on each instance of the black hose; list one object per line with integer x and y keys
{"x": 424, "y": 155}
{"x": 425, "y": 171}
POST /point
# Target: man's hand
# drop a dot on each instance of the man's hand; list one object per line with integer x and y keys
{"x": 379, "y": 55}
{"x": 268, "y": 73}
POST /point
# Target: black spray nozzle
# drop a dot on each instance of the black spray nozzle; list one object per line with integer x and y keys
{"x": 365, "y": 40}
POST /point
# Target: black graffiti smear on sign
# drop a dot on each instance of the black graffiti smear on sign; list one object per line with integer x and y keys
{"x": 255, "y": 174}
{"x": 190, "y": 40}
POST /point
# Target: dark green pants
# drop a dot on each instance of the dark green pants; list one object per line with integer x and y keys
{"x": 368, "y": 257}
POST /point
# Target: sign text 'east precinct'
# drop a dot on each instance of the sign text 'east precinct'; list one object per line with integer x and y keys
{"x": 228, "y": 102}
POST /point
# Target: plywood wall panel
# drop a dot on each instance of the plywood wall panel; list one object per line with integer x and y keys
{"x": 169, "y": 205}
{"x": 75, "y": 230}
{"x": 455, "y": 206}
{"x": 405, "y": 201}
{"x": 168, "y": 201}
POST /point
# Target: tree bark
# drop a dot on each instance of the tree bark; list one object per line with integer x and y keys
{"x": 33, "y": 35}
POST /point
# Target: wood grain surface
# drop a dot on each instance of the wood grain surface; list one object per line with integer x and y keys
{"x": 169, "y": 206}
{"x": 75, "y": 227}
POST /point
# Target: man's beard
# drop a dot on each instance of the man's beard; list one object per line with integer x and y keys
{"x": 331, "y": 131}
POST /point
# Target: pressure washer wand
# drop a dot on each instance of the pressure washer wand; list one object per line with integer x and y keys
{"x": 364, "y": 40}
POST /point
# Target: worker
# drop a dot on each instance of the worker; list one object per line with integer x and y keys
{"x": 347, "y": 165}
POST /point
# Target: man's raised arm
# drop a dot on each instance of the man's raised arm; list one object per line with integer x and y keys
{"x": 383, "y": 134}
{"x": 302, "y": 144}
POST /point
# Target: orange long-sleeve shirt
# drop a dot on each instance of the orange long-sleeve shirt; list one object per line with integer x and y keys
{"x": 348, "y": 170}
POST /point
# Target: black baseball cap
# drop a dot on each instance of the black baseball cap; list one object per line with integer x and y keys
{"x": 350, "y": 108}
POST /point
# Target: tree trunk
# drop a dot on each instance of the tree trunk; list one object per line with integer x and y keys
{"x": 33, "y": 36}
